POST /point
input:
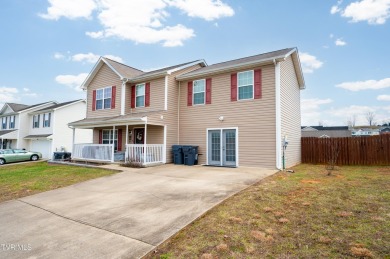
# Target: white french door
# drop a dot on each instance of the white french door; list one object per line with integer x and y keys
{"x": 222, "y": 147}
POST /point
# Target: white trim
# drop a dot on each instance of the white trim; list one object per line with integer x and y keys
{"x": 200, "y": 61}
{"x": 165, "y": 145}
{"x": 253, "y": 85}
{"x": 278, "y": 117}
{"x": 166, "y": 94}
{"x": 193, "y": 92}
{"x": 207, "y": 144}
{"x": 123, "y": 97}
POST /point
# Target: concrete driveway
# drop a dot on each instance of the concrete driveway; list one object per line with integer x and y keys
{"x": 125, "y": 215}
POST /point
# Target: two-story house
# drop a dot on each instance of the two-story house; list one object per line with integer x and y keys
{"x": 239, "y": 112}
{"x": 13, "y": 128}
{"x": 48, "y": 128}
{"x": 42, "y": 127}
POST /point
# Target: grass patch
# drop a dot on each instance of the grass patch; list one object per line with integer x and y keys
{"x": 302, "y": 215}
{"x": 21, "y": 180}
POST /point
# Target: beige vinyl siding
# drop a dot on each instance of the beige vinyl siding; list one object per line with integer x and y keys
{"x": 105, "y": 77}
{"x": 255, "y": 120}
{"x": 157, "y": 88}
{"x": 290, "y": 112}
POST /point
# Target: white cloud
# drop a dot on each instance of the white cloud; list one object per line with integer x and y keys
{"x": 58, "y": 55}
{"x": 335, "y": 9}
{"x": 365, "y": 85}
{"x": 340, "y": 42}
{"x": 309, "y": 62}
{"x": 310, "y": 110}
{"x": 371, "y": 11}
{"x": 383, "y": 97}
{"x": 141, "y": 21}
{"x": 71, "y": 9}
{"x": 72, "y": 81}
{"x": 26, "y": 89}
{"x": 205, "y": 9}
{"x": 93, "y": 58}
{"x": 8, "y": 94}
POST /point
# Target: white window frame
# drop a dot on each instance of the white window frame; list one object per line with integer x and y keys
{"x": 36, "y": 119}
{"x": 238, "y": 85}
{"x": 111, "y": 140}
{"x": 46, "y": 120}
{"x": 144, "y": 94}
{"x": 4, "y": 123}
{"x": 103, "y": 99}
{"x": 193, "y": 92}
{"x": 11, "y": 124}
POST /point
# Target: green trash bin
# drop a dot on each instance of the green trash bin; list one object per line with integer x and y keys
{"x": 177, "y": 152}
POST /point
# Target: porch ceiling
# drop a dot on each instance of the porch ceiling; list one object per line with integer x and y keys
{"x": 133, "y": 119}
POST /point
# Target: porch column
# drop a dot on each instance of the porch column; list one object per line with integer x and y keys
{"x": 73, "y": 139}
{"x": 146, "y": 130}
{"x": 127, "y": 139}
{"x": 165, "y": 145}
{"x": 113, "y": 145}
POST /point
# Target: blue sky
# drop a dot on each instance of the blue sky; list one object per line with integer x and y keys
{"x": 49, "y": 46}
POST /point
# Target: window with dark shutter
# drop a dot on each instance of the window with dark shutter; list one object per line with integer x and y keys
{"x": 189, "y": 94}
{"x": 133, "y": 96}
{"x": 113, "y": 97}
{"x": 208, "y": 91}
{"x": 94, "y": 100}
{"x": 233, "y": 87}
{"x": 119, "y": 139}
{"x": 257, "y": 84}
{"x": 147, "y": 94}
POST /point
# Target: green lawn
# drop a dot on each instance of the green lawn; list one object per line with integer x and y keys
{"x": 306, "y": 214}
{"x": 21, "y": 180}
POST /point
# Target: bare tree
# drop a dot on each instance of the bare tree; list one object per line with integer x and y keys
{"x": 332, "y": 155}
{"x": 370, "y": 116}
{"x": 352, "y": 121}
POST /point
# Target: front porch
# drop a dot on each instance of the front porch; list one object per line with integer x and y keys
{"x": 134, "y": 143}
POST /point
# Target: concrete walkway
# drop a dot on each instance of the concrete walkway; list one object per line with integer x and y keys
{"x": 125, "y": 215}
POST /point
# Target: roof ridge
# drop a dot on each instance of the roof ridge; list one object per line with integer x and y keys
{"x": 122, "y": 64}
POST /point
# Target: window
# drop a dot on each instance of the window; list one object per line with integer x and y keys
{"x": 36, "y": 121}
{"x": 103, "y": 98}
{"x": 46, "y": 120}
{"x": 140, "y": 95}
{"x": 108, "y": 137}
{"x": 12, "y": 122}
{"x": 4, "y": 123}
{"x": 199, "y": 91}
{"x": 245, "y": 85}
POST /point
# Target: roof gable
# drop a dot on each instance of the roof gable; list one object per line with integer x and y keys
{"x": 60, "y": 105}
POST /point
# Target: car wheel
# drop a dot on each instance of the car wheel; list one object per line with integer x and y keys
{"x": 34, "y": 158}
{"x": 2, "y": 161}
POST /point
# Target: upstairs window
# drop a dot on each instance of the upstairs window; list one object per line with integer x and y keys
{"x": 103, "y": 98}
{"x": 140, "y": 95}
{"x": 4, "y": 123}
{"x": 12, "y": 122}
{"x": 46, "y": 120}
{"x": 245, "y": 85}
{"x": 199, "y": 91}
{"x": 36, "y": 121}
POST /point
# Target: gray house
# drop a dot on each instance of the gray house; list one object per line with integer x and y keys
{"x": 326, "y": 132}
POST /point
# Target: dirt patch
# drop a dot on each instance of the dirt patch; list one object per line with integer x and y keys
{"x": 311, "y": 181}
{"x": 361, "y": 252}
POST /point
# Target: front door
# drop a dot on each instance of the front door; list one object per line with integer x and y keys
{"x": 222, "y": 147}
{"x": 139, "y": 136}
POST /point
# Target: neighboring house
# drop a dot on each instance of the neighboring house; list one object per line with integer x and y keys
{"x": 14, "y": 123}
{"x": 385, "y": 130}
{"x": 49, "y": 131}
{"x": 237, "y": 112}
{"x": 365, "y": 131}
{"x": 326, "y": 132}
{"x": 42, "y": 127}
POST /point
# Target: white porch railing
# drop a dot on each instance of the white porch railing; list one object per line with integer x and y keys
{"x": 145, "y": 154}
{"x": 98, "y": 152}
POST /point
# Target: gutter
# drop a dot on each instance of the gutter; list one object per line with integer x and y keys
{"x": 231, "y": 67}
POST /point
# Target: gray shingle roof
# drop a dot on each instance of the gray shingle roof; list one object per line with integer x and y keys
{"x": 235, "y": 62}
{"x": 124, "y": 70}
{"x": 3, "y": 132}
{"x": 17, "y": 106}
{"x": 58, "y": 105}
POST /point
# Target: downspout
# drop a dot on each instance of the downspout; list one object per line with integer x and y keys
{"x": 123, "y": 95}
{"x": 278, "y": 120}
{"x": 166, "y": 94}
{"x": 178, "y": 116}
